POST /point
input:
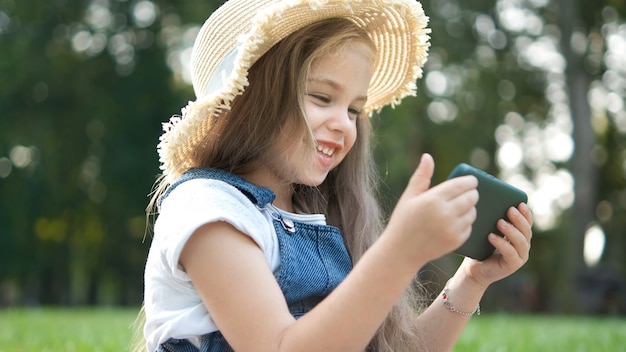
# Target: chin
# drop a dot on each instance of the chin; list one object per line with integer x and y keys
{"x": 313, "y": 180}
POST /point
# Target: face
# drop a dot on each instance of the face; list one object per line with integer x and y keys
{"x": 336, "y": 91}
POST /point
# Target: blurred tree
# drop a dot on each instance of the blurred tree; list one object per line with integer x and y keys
{"x": 530, "y": 90}
{"x": 81, "y": 120}
{"x": 508, "y": 87}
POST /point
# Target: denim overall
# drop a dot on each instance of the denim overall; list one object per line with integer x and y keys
{"x": 313, "y": 259}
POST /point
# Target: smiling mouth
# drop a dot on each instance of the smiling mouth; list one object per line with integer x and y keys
{"x": 325, "y": 150}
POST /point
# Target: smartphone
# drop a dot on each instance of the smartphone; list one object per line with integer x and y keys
{"x": 495, "y": 197}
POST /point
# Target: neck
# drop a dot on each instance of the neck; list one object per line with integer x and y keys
{"x": 282, "y": 190}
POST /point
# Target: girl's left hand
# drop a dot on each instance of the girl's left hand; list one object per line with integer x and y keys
{"x": 511, "y": 252}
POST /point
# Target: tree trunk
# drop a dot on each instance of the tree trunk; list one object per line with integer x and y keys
{"x": 583, "y": 168}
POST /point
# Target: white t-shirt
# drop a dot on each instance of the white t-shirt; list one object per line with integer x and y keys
{"x": 173, "y": 307}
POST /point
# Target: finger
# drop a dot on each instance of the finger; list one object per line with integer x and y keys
{"x": 456, "y": 187}
{"x": 515, "y": 238}
{"x": 521, "y": 218}
{"x": 422, "y": 177}
{"x": 503, "y": 246}
{"x": 525, "y": 210}
{"x": 469, "y": 199}
{"x": 467, "y": 219}
{"x": 463, "y": 204}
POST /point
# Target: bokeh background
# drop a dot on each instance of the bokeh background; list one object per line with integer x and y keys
{"x": 532, "y": 91}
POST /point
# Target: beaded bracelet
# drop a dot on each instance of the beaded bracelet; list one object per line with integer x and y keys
{"x": 450, "y": 306}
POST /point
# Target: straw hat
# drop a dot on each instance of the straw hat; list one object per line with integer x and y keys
{"x": 241, "y": 31}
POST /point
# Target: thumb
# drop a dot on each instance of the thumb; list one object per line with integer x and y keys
{"x": 421, "y": 178}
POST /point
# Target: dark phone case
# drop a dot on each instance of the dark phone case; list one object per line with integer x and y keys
{"x": 495, "y": 198}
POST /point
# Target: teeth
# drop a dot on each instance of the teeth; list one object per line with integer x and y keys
{"x": 325, "y": 150}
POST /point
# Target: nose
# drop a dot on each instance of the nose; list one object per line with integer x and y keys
{"x": 341, "y": 121}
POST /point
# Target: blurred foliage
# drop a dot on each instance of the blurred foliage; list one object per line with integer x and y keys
{"x": 87, "y": 84}
{"x": 72, "y": 218}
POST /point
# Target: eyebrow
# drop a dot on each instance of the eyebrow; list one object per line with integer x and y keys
{"x": 335, "y": 85}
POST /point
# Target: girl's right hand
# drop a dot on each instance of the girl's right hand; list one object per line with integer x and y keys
{"x": 430, "y": 222}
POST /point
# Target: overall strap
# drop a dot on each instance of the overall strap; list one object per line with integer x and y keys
{"x": 258, "y": 195}
{"x": 313, "y": 258}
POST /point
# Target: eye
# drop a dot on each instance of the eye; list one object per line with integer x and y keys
{"x": 321, "y": 98}
{"x": 354, "y": 113}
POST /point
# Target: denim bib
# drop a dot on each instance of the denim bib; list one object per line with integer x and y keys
{"x": 313, "y": 258}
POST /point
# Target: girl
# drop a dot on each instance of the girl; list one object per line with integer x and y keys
{"x": 269, "y": 237}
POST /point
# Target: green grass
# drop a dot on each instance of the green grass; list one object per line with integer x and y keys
{"x": 66, "y": 330}
{"x": 93, "y": 330}
{"x": 514, "y": 333}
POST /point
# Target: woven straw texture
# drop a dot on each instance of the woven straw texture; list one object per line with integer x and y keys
{"x": 241, "y": 31}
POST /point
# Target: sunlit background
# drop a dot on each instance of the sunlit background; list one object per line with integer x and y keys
{"x": 516, "y": 73}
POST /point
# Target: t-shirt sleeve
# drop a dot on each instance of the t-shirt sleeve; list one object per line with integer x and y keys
{"x": 201, "y": 201}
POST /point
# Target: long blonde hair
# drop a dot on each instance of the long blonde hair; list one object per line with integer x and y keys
{"x": 347, "y": 197}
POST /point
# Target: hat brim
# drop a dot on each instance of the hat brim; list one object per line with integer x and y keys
{"x": 241, "y": 31}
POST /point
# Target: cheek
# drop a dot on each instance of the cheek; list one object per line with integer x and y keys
{"x": 350, "y": 138}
